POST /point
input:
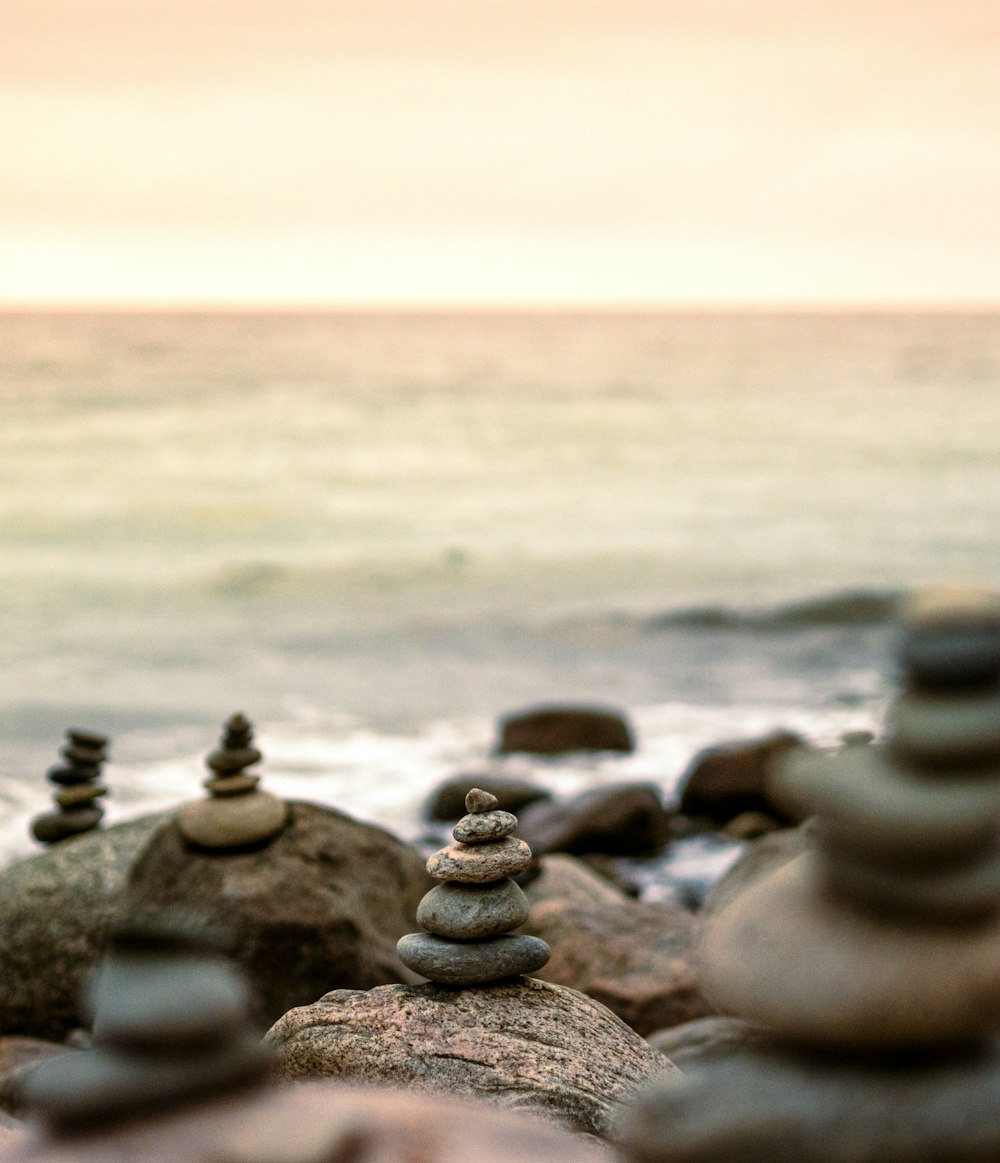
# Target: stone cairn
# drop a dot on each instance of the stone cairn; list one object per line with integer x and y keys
{"x": 170, "y": 1024}
{"x": 468, "y": 918}
{"x": 236, "y": 813}
{"x": 78, "y": 789}
{"x": 873, "y": 959}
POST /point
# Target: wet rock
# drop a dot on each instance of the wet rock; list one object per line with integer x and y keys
{"x": 637, "y": 959}
{"x": 319, "y": 1122}
{"x": 625, "y": 820}
{"x": 323, "y": 905}
{"x": 526, "y": 1045}
{"x": 557, "y": 730}
{"x": 447, "y": 801}
{"x": 731, "y": 778}
{"x": 55, "y": 911}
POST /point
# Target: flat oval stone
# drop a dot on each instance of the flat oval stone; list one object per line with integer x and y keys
{"x": 788, "y": 955}
{"x": 484, "y": 827}
{"x": 231, "y": 785}
{"x": 947, "y": 729}
{"x": 463, "y": 911}
{"x": 479, "y": 863}
{"x": 55, "y": 826}
{"x": 473, "y": 962}
{"x": 878, "y": 808}
{"x": 67, "y": 776}
{"x": 227, "y": 760}
{"x": 232, "y": 821}
{"x": 160, "y": 1002}
{"x": 80, "y": 793}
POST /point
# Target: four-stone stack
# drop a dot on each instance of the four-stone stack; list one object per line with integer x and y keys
{"x": 236, "y": 813}
{"x": 872, "y": 959}
{"x": 468, "y": 918}
{"x": 78, "y": 789}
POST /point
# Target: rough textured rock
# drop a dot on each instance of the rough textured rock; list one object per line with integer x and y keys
{"x": 789, "y": 1108}
{"x": 447, "y": 801}
{"x": 55, "y": 911}
{"x": 637, "y": 959}
{"x": 556, "y": 730}
{"x": 320, "y": 1122}
{"x": 480, "y": 863}
{"x": 526, "y": 1045}
{"x": 19, "y": 1058}
{"x": 626, "y": 820}
{"x": 697, "y": 1041}
{"x": 731, "y": 778}
{"x": 323, "y": 905}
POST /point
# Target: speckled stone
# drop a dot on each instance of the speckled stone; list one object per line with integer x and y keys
{"x": 233, "y": 821}
{"x": 484, "y": 827}
{"x": 463, "y": 911}
{"x": 480, "y": 863}
{"x": 524, "y": 1045}
{"x": 791, "y": 956}
{"x": 473, "y": 962}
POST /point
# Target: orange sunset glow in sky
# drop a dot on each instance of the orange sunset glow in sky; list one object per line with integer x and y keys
{"x": 499, "y": 152}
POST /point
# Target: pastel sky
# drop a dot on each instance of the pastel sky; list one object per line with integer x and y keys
{"x": 499, "y": 151}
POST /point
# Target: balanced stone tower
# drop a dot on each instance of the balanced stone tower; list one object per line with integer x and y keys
{"x": 873, "y": 959}
{"x": 170, "y": 1023}
{"x": 236, "y": 813}
{"x": 78, "y": 789}
{"x": 468, "y": 918}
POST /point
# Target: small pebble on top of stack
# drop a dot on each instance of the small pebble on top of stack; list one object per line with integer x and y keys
{"x": 468, "y": 918}
{"x": 78, "y": 790}
{"x": 236, "y": 814}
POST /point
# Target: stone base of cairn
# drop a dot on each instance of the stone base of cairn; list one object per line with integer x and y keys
{"x": 77, "y": 810}
{"x": 874, "y": 959}
{"x": 468, "y": 918}
{"x": 236, "y": 813}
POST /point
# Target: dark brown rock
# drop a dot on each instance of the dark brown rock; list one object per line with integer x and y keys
{"x": 528, "y": 1046}
{"x": 731, "y": 778}
{"x": 625, "y": 820}
{"x": 55, "y": 910}
{"x": 319, "y": 1122}
{"x": 323, "y": 905}
{"x": 447, "y": 801}
{"x": 637, "y": 959}
{"x": 556, "y": 730}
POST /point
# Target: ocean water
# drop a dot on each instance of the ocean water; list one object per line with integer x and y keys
{"x": 375, "y": 534}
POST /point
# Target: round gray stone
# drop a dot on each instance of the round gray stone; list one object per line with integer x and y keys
{"x": 472, "y": 962}
{"x": 484, "y": 827}
{"x": 480, "y": 863}
{"x": 463, "y": 911}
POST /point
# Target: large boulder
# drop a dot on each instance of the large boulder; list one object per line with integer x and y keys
{"x": 557, "y": 730}
{"x": 637, "y": 959}
{"x": 731, "y": 778}
{"x": 321, "y": 906}
{"x": 55, "y": 912}
{"x": 524, "y": 1044}
{"x": 315, "y": 1122}
{"x": 626, "y": 820}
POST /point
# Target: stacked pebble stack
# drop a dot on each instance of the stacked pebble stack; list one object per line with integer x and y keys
{"x": 78, "y": 790}
{"x": 468, "y": 918}
{"x": 170, "y": 1023}
{"x": 236, "y": 814}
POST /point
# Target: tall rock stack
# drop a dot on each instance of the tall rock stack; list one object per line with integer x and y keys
{"x": 78, "y": 789}
{"x": 874, "y": 958}
{"x": 236, "y": 813}
{"x": 170, "y": 1024}
{"x": 468, "y": 918}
